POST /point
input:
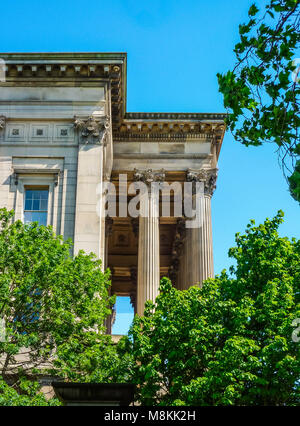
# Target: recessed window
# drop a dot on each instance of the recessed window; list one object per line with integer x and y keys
{"x": 64, "y": 132}
{"x": 15, "y": 132}
{"x": 40, "y": 132}
{"x": 36, "y": 206}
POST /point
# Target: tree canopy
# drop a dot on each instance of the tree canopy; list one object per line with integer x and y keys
{"x": 53, "y": 307}
{"x": 229, "y": 342}
{"x": 261, "y": 92}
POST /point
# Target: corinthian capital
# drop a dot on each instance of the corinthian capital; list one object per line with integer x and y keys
{"x": 207, "y": 176}
{"x": 2, "y": 122}
{"x": 92, "y": 129}
{"x": 148, "y": 176}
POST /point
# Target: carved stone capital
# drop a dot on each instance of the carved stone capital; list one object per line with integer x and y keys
{"x": 208, "y": 177}
{"x": 92, "y": 130}
{"x": 2, "y": 122}
{"x": 148, "y": 176}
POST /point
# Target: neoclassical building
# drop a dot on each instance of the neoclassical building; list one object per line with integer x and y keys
{"x": 65, "y": 132}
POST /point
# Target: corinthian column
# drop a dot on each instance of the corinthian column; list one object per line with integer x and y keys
{"x": 199, "y": 237}
{"x": 148, "y": 252}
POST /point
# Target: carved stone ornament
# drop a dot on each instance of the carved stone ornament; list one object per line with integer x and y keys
{"x": 148, "y": 176}
{"x": 108, "y": 225}
{"x": 208, "y": 177}
{"x": 177, "y": 248}
{"x": 2, "y": 122}
{"x": 92, "y": 130}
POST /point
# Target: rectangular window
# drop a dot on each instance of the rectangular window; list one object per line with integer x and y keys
{"x": 36, "y": 205}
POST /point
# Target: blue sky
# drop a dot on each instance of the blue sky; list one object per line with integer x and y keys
{"x": 175, "y": 48}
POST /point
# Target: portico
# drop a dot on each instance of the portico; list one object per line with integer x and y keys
{"x": 64, "y": 127}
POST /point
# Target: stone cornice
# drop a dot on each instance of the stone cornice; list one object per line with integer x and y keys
{"x": 94, "y": 68}
{"x": 171, "y": 130}
{"x": 160, "y": 137}
{"x": 174, "y": 116}
{"x": 53, "y": 68}
{"x": 56, "y": 57}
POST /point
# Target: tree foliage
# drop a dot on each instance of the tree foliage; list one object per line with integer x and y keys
{"x": 53, "y": 306}
{"x": 261, "y": 93}
{"x": 229, "y": 342}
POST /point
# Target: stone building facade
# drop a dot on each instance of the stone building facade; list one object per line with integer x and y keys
{"x": 65, "y": 133}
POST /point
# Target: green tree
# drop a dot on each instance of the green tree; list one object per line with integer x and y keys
{"x": 53, "y": 307}
{"x": 260, "y": 94}
{"x": 229, "y": 342}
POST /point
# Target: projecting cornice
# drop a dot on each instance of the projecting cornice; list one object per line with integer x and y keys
{"x": 95, "y": 69}
{"x": 174, "y": 116}
{"x": 51, "y": 69}
{"x": 171, "y": 127}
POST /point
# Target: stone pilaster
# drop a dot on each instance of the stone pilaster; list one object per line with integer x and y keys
{"x": 148, "y": 252}
{"x": 199, "y": 245}
{"x": 89, "y": 217}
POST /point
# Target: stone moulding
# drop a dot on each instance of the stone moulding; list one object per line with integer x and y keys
{"x": 174, "y": 116}
{"x": 175, "y": 130}
{"x": 166, "y": 137}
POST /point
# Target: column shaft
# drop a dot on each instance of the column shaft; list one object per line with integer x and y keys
{"x": 148, "y": 255}
{"x": 201, "y": 244}
{"x": 89, "y": 220}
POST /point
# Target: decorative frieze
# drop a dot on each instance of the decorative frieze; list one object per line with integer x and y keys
{"x": 59, "y": 70}
{"x": 18, "y": 132}
{"x": 92, "y": 130}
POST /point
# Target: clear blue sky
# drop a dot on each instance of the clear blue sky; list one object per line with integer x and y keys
{"x": 175, "y": 48}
